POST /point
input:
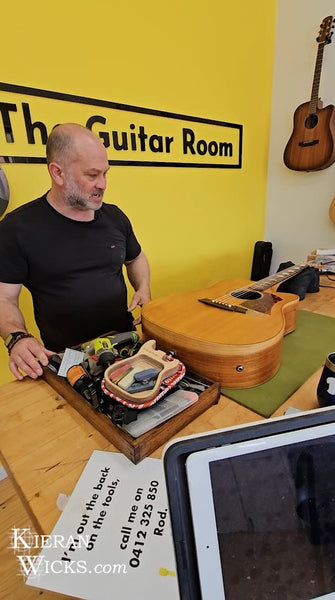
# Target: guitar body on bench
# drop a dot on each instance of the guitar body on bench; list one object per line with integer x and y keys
{"x": 235, "y": 338}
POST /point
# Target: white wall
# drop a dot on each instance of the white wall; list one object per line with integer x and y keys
{"x": 297, "y": 214}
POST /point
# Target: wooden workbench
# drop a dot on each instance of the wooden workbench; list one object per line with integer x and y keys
{"x": 45, "y": 443}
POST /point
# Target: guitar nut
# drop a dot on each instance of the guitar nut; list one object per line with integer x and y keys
{"x": 240, "y": 368}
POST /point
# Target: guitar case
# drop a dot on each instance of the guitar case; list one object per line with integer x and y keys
{"x": 261, "y": 260}
{"x": 305, "y": 281}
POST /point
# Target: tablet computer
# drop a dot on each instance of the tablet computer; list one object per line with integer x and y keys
{"x": 263, "y": 513}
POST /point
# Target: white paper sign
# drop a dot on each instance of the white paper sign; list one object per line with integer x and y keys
{"x": 114, "y": 537}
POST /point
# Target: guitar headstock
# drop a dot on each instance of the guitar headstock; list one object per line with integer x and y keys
{"x": 326, "y": 30}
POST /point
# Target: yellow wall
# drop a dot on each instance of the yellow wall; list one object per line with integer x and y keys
{"x": 207, "y": 59}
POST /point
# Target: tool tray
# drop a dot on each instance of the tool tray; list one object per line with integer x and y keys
{"x": 135, "y": 449}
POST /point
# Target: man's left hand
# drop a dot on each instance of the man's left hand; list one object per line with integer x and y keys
{"x": 139, "y": 276}
{"x": 141, "y": 297}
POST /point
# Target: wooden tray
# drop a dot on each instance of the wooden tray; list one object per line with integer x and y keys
{"x": 139, "y": 448}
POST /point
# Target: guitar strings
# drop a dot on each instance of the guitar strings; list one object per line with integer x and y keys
{"x": 278, "y": 277}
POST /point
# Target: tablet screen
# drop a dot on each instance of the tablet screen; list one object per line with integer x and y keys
{"x": 264, "y": 517}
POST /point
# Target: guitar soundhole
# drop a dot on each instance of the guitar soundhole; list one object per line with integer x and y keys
{"x": 246, "y": 294}
{"x": 311, "y": 121}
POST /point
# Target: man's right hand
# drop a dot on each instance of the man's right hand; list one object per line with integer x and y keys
{"x": 26, "y": 356}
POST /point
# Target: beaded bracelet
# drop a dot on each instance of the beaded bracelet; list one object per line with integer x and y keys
{"x": 17, "y": 339}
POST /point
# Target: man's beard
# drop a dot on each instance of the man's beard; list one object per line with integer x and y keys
{"x": 75, "y": 199}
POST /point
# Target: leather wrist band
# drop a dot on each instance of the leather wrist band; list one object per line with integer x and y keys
{"x": 16, "y": 339}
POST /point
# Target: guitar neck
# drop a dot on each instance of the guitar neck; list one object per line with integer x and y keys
{"x": 264, "y": 284}
{"x": 316, "y": 80}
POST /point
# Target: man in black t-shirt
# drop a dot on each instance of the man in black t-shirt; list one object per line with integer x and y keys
{"x": 68, "y": 248}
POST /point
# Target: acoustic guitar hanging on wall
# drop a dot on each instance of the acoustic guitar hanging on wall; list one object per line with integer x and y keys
{"x": 311, "y": 146}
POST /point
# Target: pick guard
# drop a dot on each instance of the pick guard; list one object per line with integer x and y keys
{"x": 264, "y": 304}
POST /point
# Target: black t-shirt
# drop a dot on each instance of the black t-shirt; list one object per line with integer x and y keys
{"x": 73, "y": 269}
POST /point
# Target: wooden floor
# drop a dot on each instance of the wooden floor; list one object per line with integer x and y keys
{"x": 12, "y": 514}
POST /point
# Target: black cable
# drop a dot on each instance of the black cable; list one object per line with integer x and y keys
{"x": 328, "y": 275}
{"x": 330, "y": 279}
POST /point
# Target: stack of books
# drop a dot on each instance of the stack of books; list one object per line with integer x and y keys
{"x": 324, "y": 256}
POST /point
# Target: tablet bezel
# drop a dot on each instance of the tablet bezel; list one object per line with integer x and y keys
{"x": 201, "y": 500}
{"x": 174, "y": 458}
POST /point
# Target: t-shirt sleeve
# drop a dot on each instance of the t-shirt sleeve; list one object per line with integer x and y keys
{"x": 13, "y": 265}
{"x": 133, "y": 248}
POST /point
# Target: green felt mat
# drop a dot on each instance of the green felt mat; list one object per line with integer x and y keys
{"x": 304, "y": 351}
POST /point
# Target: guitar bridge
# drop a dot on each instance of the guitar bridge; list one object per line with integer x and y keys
{"x": 223, "y": 305}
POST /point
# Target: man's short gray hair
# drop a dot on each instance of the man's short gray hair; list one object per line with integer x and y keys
{"x": 62, "y": 140}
